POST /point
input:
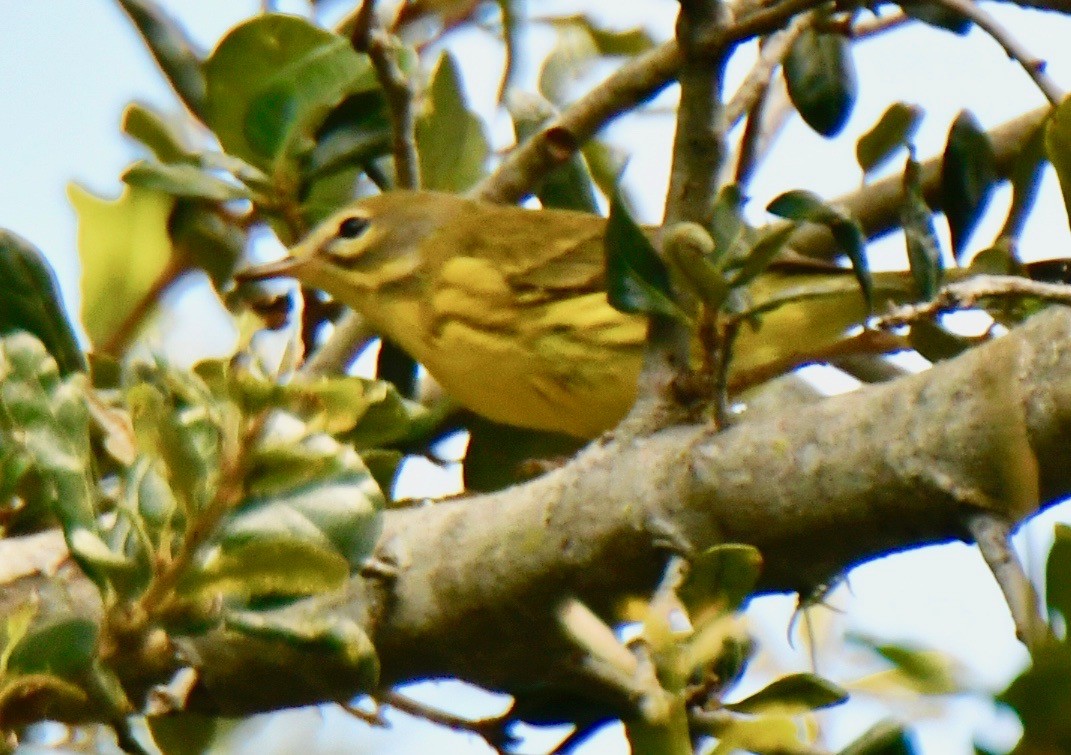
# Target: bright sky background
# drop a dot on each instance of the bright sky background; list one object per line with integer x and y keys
{"x": 67, "y": 68}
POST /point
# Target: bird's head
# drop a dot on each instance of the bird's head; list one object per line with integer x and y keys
{"x": 372, "y": 243}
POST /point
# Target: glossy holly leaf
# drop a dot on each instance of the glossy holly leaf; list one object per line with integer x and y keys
{"x": 1058, "y": 147}
{"x": 884, "y": 738}
{"x": 805, "y": 206}
{"x": 893, "y": 131}
{"x": 637, "y": 280}
{"x": 792, "y": 694}
{"x": 30, "y": 301}
{"x": 821, "y": 80}
{"x": 937, "y": 14}
{"x": 156, "y": 133}
{"x": 124, "y": 248}
{"x": 923, "y": 246}
{"x": 173, "y": 50}
{"x": 451, "y": 139}
{"x": 272, "y": 80}
{"x": 968, "y": 175}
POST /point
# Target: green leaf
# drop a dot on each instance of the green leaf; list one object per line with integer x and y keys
{"x": 636, "y": 278}
{"x": 155, "y": 132}
{"x": 767, "y": 246}
{"x": 336, "y": 637}
{"x": 895, "y": 129}
{"x": 935, "y": 342}
{"x": 1058, "y": 574}
{"x": 183, "y": 180}
{"x": 183, "y": 733}
{"x": 968, "y": 174}
{"x": 173, "y": 51}
{"x": 311, "y": 516}
{"x": 202, "y": 239}
{"x": 124, "y": 249}
{"x": 728, "y": 228}
{"x": 688, "y": 249}
{"x": 66, "y": 648}
{"x": 450, "y": 138}
{"x": 821, "y": 79}
{"x": 923, "y": 246}
{"x": 570, "y": 185}
{"x": 793, "y": 694}
{"x": 272, "y": 81}
{"x": 723, "y": 575}
{"x": 1041, "y": 696}
{"x": 1058, "y": 147}
{"x": 353, "y": 134}
{"x": 937, "y": 14}
{"x": 801, "y": 205}
{"x": 928, "y": 672}
{"x": 30, "y": 300}
{"x": 884, "y": 738}
{"x": 44, "y": 420}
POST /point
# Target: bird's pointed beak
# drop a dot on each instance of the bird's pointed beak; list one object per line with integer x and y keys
{"x": 284, "y": 268}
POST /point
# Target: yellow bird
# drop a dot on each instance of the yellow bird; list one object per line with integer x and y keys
{"x": 507, "y": 308}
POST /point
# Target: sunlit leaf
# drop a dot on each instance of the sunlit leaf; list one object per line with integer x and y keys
{"x": 792, "y": 694}
{"x": 183, "y": 180}
{"x": 451, "y": 139}
{"x": 124, "y": 249}
{"x": 894, "y": 130}
{"x": 271, "y": 82}
{"x": 155, "y": 132}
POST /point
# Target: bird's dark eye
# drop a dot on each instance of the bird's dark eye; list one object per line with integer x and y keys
{"x": 352, "y": 227}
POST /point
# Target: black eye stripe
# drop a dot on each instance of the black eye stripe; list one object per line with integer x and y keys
{"x": 352, "y": 227}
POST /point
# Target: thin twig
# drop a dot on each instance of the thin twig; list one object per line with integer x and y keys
{"x": 492, "y": 730}
{"x": 372, "y": 718}
{"x": 122, "y": 336}
{"x": 993, "y": 536}
{"x": 635, "y": 82}
{"x": 966, "y": 295}
{"x": 1034, "y": 66}
{"x": 350, "y": 336}
{"x": 381, "y": 48}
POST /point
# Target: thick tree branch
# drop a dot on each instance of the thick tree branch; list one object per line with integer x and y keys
{"x": 478, "y": 580}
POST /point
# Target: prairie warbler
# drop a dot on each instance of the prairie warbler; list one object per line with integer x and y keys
{"x": 507, "y": 309}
